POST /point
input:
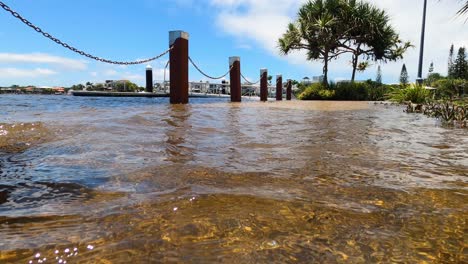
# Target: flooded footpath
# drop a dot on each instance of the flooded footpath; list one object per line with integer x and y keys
{"x": 119, "y": 180}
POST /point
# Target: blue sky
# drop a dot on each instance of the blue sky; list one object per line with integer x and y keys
{"x": 130, "y": 30}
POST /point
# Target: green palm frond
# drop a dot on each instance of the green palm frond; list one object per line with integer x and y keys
{"x": 464, "y": 9}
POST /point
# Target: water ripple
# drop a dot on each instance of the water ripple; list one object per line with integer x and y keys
{"x": 137, "y": 179}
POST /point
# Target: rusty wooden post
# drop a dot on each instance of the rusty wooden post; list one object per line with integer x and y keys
{"x": 289, "y": 90}
{"x": 179, "y": 75}
{"x": 149, "y": 79}
{"x": 279, "y": 87}
{"x": 263, "y": 85}
{"x": 236, "y": 90}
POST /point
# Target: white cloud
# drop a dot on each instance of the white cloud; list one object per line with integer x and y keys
{"x": 158, "y": 75}
{"x": 264, "y": 22}
{"x": 110, "y": 72}
{"x": 244, "y": 46}
{"x": 8, "y": 73}
{"x": 443, "y": 28}
{"x": 259, "y": 20}
{"x": 38, "y": 58}
{"x": 133, "y": 77}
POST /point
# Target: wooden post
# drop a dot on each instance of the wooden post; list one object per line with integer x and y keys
{"x": 279, "y": 87}
{"x": 149, "y": 79}
{"x": 178, "y": 57}
{"x": 236, "y": 90}
{"x": 289, "y": 90}
{"x": 263, "y": 85}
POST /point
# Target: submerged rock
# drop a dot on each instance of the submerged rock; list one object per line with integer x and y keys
{"x": 3, "y": 197}
{"x": 19, "y": 137}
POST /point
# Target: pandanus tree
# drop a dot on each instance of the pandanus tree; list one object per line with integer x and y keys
{"x": 328, "y": 28}
{"x": 318, "y": 30}
{"x": 464, "y": 9}
{"x": 371, "y": 35}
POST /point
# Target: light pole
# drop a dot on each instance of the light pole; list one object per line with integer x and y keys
{"x": 419, "y": 80}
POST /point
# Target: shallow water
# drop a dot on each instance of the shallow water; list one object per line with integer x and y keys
{"x": 114, "y": 180}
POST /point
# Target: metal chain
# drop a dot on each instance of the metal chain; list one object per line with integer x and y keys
{"x": 248, "y": 82}
{"x": 206, "y": 75}
{"x": 65, "y": 45}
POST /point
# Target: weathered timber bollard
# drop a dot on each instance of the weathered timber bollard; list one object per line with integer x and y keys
{"x": 179, "y": 75}
{"x": 279, "y": 87}
{"x": 289, "y": 90}
{"x": 236, "y": 90}
{"x": 149, "y": 79}
{"x": 263, "y": 85}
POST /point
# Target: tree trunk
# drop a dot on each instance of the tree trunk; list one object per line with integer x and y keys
{"x": 356, "y": 54}
{"x": 325, "y": 69}
{"x": 355, "y": 63}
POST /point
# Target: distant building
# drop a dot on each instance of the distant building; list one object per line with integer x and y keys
{"x": 46, "y": 89}
{"x": 315, "y": 79}
{"x": 198, "y": 87}
{"x": 109, "y": 85}
{"x": 211, "y": 88}
{"x": 59, "y": 90}
{"x": 318, "y": 78}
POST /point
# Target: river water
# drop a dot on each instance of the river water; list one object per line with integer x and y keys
{"x": 119, "y": 180}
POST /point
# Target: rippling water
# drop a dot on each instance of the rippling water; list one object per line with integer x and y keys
{"x": 114, "y": 180}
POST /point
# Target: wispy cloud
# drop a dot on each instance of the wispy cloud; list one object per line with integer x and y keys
{"x": 43, "y": 58}
{"x": 110, "y": 73}
{"x": 9, "y": 73}
{"x": 244, "y": 46}
{"x": 158, "y": 74}
{"x": 133, "y": 77}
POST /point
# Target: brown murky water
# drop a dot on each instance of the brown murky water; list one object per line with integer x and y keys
{"x": 86, "y": 180}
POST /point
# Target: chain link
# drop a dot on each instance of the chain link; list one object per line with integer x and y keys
{"x": 65, "y": 45}
{"x": 248, "y": 82}
{"x": 206, "y": 75}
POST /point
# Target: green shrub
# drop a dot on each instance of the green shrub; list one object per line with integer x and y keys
{"x": 317, "y": 91}
{"x": 300, "y": 89}
{"x": 432, "y": 78}
{"x": 351, "y": 91}
{"x": 378, "y": 93}
{"x": 346, "y": 91}
{"x": 450, "y": 113}
{"x": 327, "y": 94}
{"x": 415, "y": 94}
{"x": 450, "y": 88}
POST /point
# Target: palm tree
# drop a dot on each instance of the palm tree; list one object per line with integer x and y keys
{"x": 317, "y": 30}
{"x": 329, "y": 28}
{"x": 371, "y": 36}
{"x": 464, "y": 9}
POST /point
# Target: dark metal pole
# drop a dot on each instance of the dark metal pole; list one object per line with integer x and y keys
{"x": 263, "y": 85}
{"x": 279, "y": 87}
{"x": 149, "y": 79}
{"x": 179, "y": 63}
{"x": 419, "y": 80}
{"x": 236, "y": 89}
